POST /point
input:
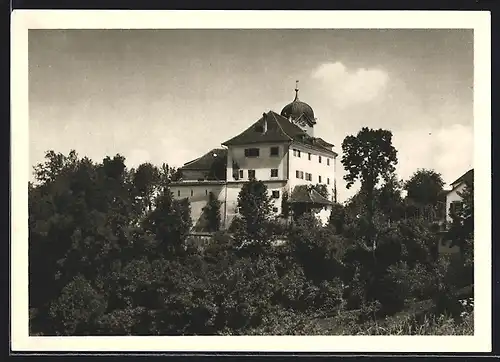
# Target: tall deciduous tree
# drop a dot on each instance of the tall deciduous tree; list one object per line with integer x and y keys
{"x": 255, "y": 208}
{"x": 368, "y": 157}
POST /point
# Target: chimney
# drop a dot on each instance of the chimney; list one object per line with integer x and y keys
{"x": 264, "y": 117}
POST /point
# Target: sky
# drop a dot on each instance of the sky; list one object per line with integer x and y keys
{"x": 172, "y": 95}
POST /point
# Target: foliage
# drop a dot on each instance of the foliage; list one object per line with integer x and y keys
{"x": 337, "y": 219}
{"x": 169, "y": 222}
{"x": 424, "y": 187}
{"x": 285, "y": 207}
{"x": 255, "y": 207}
{"x": 368, "y": 157}
{"x": 108, "y": 256}
{"x": 212, "y": 212}
{"x": 218, "y": 169}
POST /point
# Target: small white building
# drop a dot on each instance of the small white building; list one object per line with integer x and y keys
{"x": 454, "y": 201}
{"x": 453, "y": 198}
{"x": 278, "y": 149}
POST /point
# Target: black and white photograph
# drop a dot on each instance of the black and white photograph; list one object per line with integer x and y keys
{"x": 256, "y": 181}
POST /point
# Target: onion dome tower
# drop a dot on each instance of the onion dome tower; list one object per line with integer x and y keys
{"x": 300, "y": 113}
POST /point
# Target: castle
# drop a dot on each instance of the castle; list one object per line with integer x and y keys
{"x": 280, "y": 150}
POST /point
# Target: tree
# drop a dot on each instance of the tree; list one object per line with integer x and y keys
{"x": 218, "y": 169}
{"x": 212, "y": 212}
{"x": 170, "y": 222}
{"x": 78, "y": 307}
{"x": 285, "y": 206}
{"x": 424, "y": 194}
{"x": 146, "y": 180}
{"x": 388, "y": 199}
{"x": 337, "y": 218}
{"x": 368, "y": 157}
{"x": 424, "y": 187}
{"x": 255, "y": 207}
{"x": 54, "y": 166}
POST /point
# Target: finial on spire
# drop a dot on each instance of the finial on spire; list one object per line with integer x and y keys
{"x": 296, "y": 90}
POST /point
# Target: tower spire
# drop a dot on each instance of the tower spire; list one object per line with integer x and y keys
{"x": 296, "y": 90}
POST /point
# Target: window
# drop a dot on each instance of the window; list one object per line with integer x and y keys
{"x": 251, "y": 174}
{"x": 309, "y": 156}
{"x": 298, "y": 153}
{"x": 319, "y": 159}
{"x": 275, "y": 209}
{"x": 319, "y": 179}
{"x": 241, "y": 173}
{"x": 301, "y": 174}
{"x": 328, "y": 181}
{"x": 252, "y": 152}
{"x": 206, "y": 192}
{"x": 275, "y": 151}
{"x": 276, "y": 194}
{"x": 274, "y": 172}
{"x": 328, "y": 162}
{"x": 295, "y": 152}
{"x": 308, "y": 177}
{"x": 179, "y": 193}
{"x": 297, "y": 174}
{"x": 191, "y": 192}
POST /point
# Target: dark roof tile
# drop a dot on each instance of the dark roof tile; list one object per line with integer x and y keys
{"x": 304, "y": 194}
{"x": 206, "y": 161}
{"x": 466, "y": 177}
{"x": 279, "y": 129}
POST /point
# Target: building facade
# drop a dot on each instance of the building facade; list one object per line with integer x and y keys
{"x": 454, "y": 201}
{"x": 277, "y": 149}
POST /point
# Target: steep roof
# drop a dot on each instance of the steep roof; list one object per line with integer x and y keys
{"x": 466, "y": 177}
{"x": 279, "y": 129}
{"x": 303, "y": 194}
{"x": 206, "y": 161}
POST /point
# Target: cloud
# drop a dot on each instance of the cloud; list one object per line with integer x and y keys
{"x": 350, "y": 87}
{"x": 447, "y": 150}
